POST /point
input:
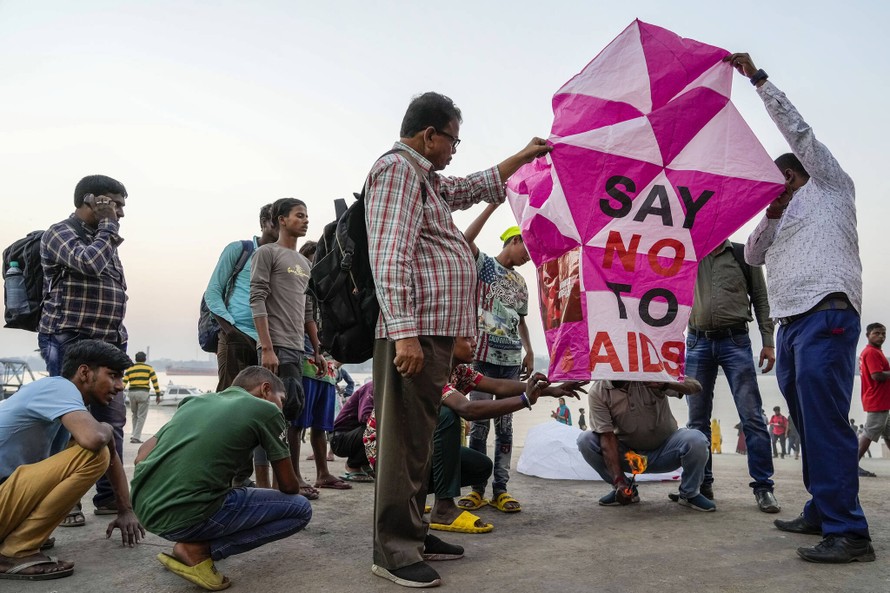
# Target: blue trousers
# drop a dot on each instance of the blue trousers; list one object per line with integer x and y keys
{"x": 685, "y": 448}
{"x": 815, "y": 363}
{"x": 248, "y": 519}
{"x": 733, "y": 354}
{"x": 52, "y": 350}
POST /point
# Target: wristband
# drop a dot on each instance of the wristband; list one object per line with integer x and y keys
{"x": 524, "y": 399}
{"x": 758, "y": 76}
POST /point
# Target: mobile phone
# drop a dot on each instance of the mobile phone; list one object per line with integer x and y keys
{"x": 90, "y": 200}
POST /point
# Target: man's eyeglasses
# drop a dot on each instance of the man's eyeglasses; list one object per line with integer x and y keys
{"x": 454, "y": 141}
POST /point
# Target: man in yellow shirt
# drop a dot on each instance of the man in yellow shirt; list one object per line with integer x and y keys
{"x": 138, "y": 377}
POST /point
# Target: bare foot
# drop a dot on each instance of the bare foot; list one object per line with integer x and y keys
{"x": 445, "y": 511}
{"x": 46, "y": 566}
{"x": 191, "y": 554}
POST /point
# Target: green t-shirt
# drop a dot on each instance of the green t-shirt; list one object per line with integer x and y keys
{"x": 210, "y": 440}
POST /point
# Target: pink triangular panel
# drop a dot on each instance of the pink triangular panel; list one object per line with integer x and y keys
{"x": 633, "y": 139}
{"x": 735, "y": 202}
{"x": 584, "y": 175}
{"x": 544, "y": 239}
{"x": 618, "y": 73}
{"x": 673, "y": 61}
{"x": 678, "y": 122}
{"x": 574, "y": 114}
{"x": 727, "y": 146}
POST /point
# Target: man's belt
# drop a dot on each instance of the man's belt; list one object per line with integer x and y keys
{"x": 836, "y": 300}
{"x": 718, "y": 334}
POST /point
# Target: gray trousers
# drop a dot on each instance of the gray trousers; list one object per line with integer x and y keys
{"x": 407, "y": 411}
{"x": 139, "y": 402}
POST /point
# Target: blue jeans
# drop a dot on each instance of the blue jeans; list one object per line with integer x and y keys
{"x": 733, "y": 354}
{"x": 685, "y": 448}
{"x": 815, "y": 363}
{"x": 503, "y": 430}
{"x": 248, "y": 519}
{"x": 52, "y": 350}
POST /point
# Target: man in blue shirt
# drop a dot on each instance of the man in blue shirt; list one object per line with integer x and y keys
{"x": 230, "y": 304}
{"x": 42, "y": 475}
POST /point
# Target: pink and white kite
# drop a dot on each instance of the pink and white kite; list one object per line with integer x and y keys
{"x": 652, "y": 168}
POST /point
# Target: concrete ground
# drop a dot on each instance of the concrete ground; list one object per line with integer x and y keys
{"x": 561, "y": 541}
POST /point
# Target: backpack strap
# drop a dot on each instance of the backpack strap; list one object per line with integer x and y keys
{"x": 246, "y": 252}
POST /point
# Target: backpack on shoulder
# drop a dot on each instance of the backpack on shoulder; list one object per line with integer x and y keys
{"x": 208, "y": 327}
{"x": 343, "y": 283}
{"x": 26, "y": 251}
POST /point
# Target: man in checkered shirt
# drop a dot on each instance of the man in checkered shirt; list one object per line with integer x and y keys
{"x": 86, "y": 297}
{"x": 426, "y": 285}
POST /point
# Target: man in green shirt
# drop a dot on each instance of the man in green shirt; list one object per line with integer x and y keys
{"x": 182, "y": 487}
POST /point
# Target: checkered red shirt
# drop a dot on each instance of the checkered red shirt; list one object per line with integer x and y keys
{"x": 423, "y": 268}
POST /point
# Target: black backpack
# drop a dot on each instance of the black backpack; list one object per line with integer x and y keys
{"x": 26, "y": 251}
{"x": 208, "y": 328}
{"x": 343, "y": 284}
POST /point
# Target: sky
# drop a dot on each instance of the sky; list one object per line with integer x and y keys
{"x": 208, "y": 110}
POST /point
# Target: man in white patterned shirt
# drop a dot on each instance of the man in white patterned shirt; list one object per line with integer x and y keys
{"x": 809, "y": 243}
{"x": 425, "y": 279}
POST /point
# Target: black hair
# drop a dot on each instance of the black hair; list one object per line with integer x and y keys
{"x": 777, "y": 409}
{"x": 283, "y": 207}
{"x": 789, "y": 161}
{"x": 510, "y": 240}
{"x": 94, "y": 354}
{"x": 873, "y": 326}
{"x": 253, "y": 376}
{"x": 98, "y": 185}
{"x": 428, "y": 109}
{"x": 308, "y": 249}
{"x": 265, "y": 213}
{"x": 140, "y": 357}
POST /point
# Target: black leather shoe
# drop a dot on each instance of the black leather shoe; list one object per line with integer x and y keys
{"x": 436, "y": 549}
{"x": 798, "y": 525}
{"x": 767, "y": 502}
{"x": 839, "y": 550}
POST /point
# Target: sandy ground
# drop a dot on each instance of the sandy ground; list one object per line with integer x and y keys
{"x": 561, "y": 541}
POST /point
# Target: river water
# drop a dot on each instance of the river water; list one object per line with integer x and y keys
{"x": 724, "y": 408}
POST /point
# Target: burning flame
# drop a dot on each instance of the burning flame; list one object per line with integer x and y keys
{"x": 637, "y": 462}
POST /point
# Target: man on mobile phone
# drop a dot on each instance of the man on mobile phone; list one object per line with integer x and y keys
{"x": 86, "y": 298}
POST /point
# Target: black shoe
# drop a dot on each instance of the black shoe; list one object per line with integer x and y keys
{"x": 767, "y": 502}
{"x": 798, "y": 525}
{"x": 436, "y": 549}
{"x": 839, "y": 550}
{"x": 707, "y": 490}
{"x": 417, "y": 575}
{"x": 864, "y": 473}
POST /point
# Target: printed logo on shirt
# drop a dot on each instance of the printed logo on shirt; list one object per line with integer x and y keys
{"x": 283, "y": 437}
{"x": 298, "y": 271}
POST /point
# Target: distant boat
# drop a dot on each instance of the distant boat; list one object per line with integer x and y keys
{"x": 197, "y": 368}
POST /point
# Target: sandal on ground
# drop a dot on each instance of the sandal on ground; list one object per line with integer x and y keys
{"x": 106, "y": 509}
{"x": 309, "y": 492}
{"x": 336, "y": 484}
{"x": 203, "y": 574}
{"x": 16, "y": 572}
{"x": 356, "y": 477}
{"x": 505, "y": 503}
{"x": 74, "y": 519}
{"x": 466, "y": 522}
{"x": 471, "y": 501}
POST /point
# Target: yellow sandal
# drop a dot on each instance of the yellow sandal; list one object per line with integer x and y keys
{"x": 501, "y": 502}
{"x": 471, "y": 501}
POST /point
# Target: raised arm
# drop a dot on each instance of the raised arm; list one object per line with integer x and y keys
{"x": 476, "y": 227}
{"x": 63, "y": 246}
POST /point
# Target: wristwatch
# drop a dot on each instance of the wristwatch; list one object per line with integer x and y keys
{"x": 758, "y": 76}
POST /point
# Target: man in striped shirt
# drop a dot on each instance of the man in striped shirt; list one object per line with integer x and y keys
{"x": 138, "y": 378}
{"x": 86, "y": 297}
{"x": 426, "y": 284}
